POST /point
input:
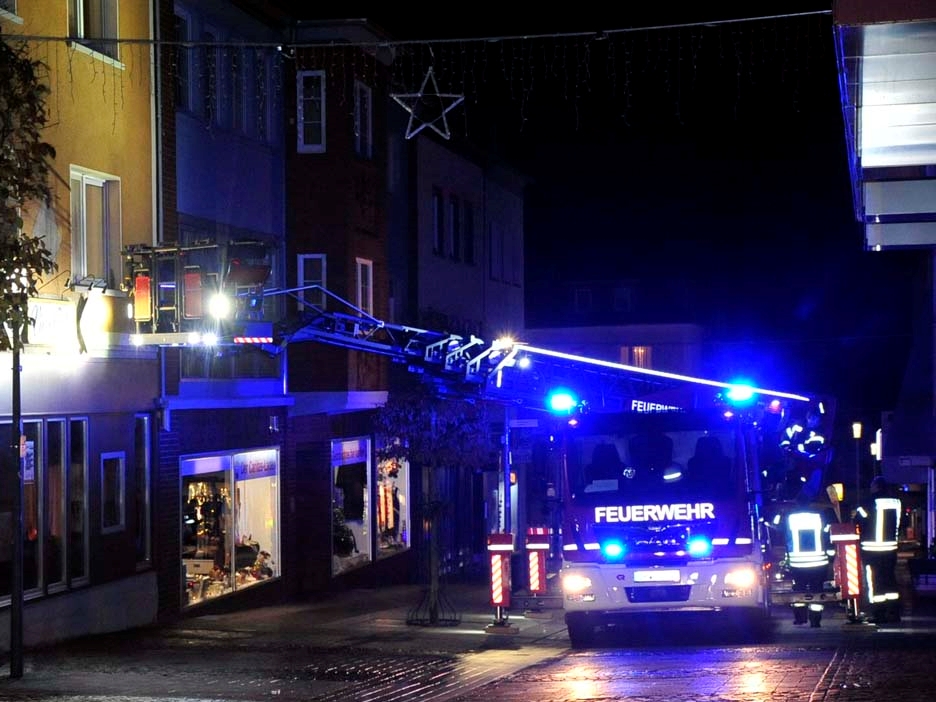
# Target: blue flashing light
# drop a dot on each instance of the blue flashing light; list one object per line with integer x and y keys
{"x": 562, "y": 401}
{"x": 699, "y": 547}
{"x": 740, "y": 393}
{"x": 612, "y": 549}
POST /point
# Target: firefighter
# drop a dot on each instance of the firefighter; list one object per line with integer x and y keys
{"x": 808, "y": 557}
{"x": 878, "y": 519}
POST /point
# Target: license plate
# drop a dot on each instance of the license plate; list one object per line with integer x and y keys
{"x": 656, "y": 576}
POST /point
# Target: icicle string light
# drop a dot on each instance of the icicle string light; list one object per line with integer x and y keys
{"x": 615, "y": 76}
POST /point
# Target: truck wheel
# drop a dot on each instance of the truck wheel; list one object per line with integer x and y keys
{"x": 815, "y": 619}
{"x": 581, "y": 630}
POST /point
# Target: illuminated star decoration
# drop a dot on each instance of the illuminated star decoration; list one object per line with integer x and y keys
{"x": 428, "y": 108}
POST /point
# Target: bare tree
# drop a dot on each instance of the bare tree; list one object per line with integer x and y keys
{"x": 435, "y": 433}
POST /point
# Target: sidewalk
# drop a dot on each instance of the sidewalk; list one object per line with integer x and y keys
{"x": 342, "y": 646}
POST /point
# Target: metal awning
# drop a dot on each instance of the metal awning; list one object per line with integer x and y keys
{"x": 887, "y": 72}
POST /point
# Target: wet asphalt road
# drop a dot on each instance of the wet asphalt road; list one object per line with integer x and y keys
{"x": 359, "y": 647}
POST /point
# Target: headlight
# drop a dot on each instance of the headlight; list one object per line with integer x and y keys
{"x": 741, "y": 579}
{"x": 574, "y": 584}
{"x": 219, "y": 306}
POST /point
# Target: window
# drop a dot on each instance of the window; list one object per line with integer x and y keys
{"x": 230, "y": 520}
{"x": 239, "y": 90}
{"x": 454, "y": 229}
{"x": 183, "y": 64}
{"x": 365, "y": 285}
{"x": 112, "y": 492}
{"x": 310, "y": 106}
{"x": 639, "y": 356}
{"x": 141, "y": 490}
{"x": 496, "y": 251}
{"x": 621, "y": 299}
{"x": 56, "y": 514}
{"x": 8, "y": 6}
{"x": 582, "y": 299}
{"x": 468, "y": 233}
{"x": 363, "y": 129}
{"x": 33, "y": 473}
{"x": 78, "y": 501}
{"x": 209, "y": 77}
{"x": 95, "y": 213}
{"x": 351, "y": 511}
{"x": 438, "y": 223}
{"x": 312, "y": 272}
{"x": 92, "y": 23}
{"x": 263, "y": 91}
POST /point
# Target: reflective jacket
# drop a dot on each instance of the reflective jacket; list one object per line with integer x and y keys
{"x": 879, "y": 521}
{"x": 806, "y": 539}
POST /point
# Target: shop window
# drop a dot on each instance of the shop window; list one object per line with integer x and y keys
{"x": 230, "y": 522}
{"x": 32, "y": 479}
{"x": 393, "y": 508}
{"x": 351, "y": 528}
{"x": 78, "y": 501}
{"x": 54, "y": 535}
{"x": 55, "y": 505}
{"x": 141, "y": 491}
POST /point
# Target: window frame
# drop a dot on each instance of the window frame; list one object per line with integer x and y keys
{"x": 302, "y": 281}
{"x": 364, "y": 285}
{"x": 143, "y": 468}
{"x": 363, "y": 133}
{"x": 10, "y": 13}
{"x": 103, "y": 45}
{"x": 85, "y": 577}
{"x": 183, "y": 83}
{"x": 59, "y": 508}
{"x": 438, "y": 222}
{"x": 468, "y": 232}
{"x": 121, "y": 491}
{"x": 301, "y": 146}
{"x": 454, "y": 228}
{"x": 111, "y": 223}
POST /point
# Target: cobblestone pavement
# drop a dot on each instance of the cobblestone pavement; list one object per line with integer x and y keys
{"x": 357, "y": 646}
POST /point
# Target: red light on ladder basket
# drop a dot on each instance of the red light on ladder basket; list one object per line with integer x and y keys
{"x": 500, "y": 547}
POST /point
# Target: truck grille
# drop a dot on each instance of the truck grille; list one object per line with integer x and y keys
{"x": 659, "y": 593}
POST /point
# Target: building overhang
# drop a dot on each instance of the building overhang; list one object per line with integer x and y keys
{"x": 886, "y": 55}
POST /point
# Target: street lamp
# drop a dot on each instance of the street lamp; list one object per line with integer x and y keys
{"x": 856, "y": 435}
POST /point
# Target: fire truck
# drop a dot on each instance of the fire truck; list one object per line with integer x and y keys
{"x": 667, "y": 504}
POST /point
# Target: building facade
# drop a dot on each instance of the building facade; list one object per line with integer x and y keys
{"x": 886, "y": 57}
{"x": 87, "y": 394}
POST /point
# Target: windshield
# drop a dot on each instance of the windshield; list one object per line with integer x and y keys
{"x": 658, "y": 459}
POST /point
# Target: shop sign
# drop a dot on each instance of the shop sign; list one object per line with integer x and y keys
{"x": 55, "y": 323}
{"x": 255, "y": 464}
{"x": 348, "y": 452}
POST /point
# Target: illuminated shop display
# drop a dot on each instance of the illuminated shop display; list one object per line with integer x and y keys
{"x": 367, "y": 502}
{"x": 230, "y": 522}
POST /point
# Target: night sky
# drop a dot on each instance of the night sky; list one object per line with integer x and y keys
{"x": 711, "y": 156}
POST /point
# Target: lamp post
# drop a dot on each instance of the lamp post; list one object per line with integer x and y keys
{"x": 856, "y": 435}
